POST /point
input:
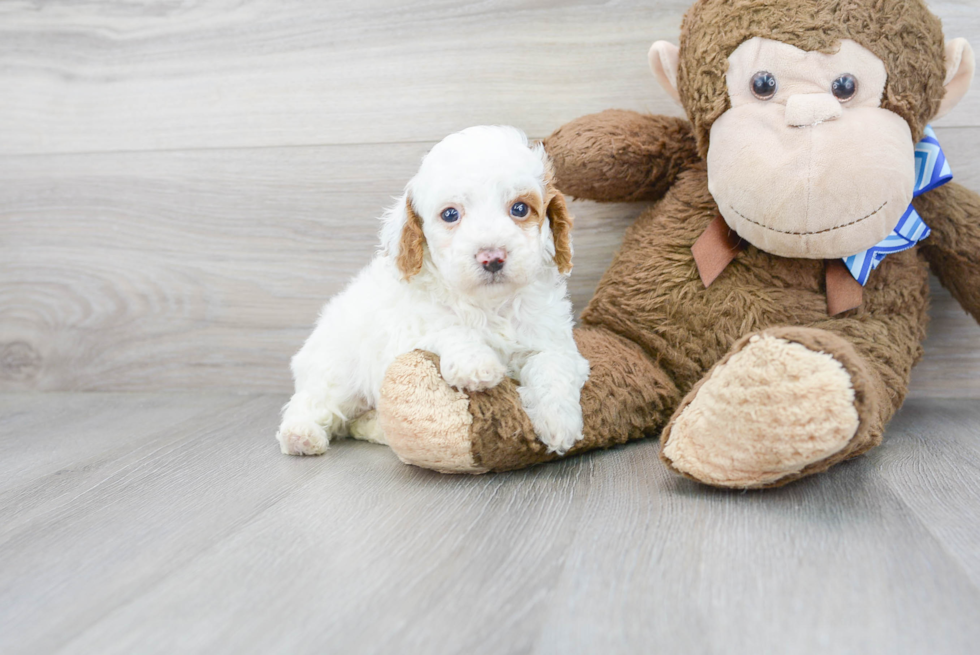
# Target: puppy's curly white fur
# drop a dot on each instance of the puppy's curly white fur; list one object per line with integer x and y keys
{"x": 472, "y": 267}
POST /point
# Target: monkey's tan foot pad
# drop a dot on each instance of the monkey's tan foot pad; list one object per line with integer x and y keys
{"x": 771, "y": 411}
{"x": 425, "y": 421}
{"x": 430, "y": 424}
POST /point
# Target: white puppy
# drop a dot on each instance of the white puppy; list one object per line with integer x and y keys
{"x": 472, "y": 268}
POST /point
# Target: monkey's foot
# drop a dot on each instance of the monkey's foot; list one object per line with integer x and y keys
{"x": 781, "y": 405}
{"x": 430, "y": 424}
{"x": 425, "y": 421}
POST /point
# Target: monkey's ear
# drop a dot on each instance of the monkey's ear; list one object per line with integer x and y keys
{"x": 402, "y": 237}
{"x": 664, "y": 61}
{"x": 560, "y": 222}
{"x": 960, "y": 66}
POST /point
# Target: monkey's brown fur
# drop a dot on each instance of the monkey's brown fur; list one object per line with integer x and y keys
{"x": 653, "y": 333}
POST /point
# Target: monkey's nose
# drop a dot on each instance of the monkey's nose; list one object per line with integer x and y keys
{"x": 808, "y": 109}
{"x": 492, "y": 259}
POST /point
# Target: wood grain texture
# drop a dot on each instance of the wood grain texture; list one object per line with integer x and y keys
{"x": 149, "y": 75}
{"x": 199, "y": 537}
{"x": 940, "y": 484}
{"x": 139, "y": 506}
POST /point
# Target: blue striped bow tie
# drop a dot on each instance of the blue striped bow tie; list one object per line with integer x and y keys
{"x": 931, "y": 171}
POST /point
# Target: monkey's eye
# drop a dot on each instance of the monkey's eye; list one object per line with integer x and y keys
{"x": 450, "y": 215}
{"x": 763, "y": 85}
{"x": 519, "y": 210}
{"x": 844, "y": 87}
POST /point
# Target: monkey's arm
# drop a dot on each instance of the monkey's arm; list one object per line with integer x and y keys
{"x": 619, "y": 155}
{"x": 953, "y": 248}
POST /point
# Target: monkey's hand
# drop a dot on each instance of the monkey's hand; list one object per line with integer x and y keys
{"x": 953, "y": 248}
{"x": 618, "y": 155}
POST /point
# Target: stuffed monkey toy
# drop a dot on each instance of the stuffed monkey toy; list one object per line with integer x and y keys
{"x": 763, "y": 317}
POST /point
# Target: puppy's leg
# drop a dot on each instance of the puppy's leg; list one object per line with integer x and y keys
{"x": 323, "y": 402}
{"x": 467, "y": 363}
{"x": 550, "y": 391}
{"x": 366, "y": 428}
{"x": 310, "y": 419}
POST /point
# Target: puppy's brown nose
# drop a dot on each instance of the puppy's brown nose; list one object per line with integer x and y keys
{"x": 492, "y": 259}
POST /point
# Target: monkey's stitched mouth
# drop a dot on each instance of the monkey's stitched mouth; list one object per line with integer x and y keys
{"x": 802, "y": 234}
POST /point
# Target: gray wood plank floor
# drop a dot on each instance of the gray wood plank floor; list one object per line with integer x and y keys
{"x": 135, "y": 523}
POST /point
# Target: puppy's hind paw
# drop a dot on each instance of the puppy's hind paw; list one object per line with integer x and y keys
{"x": 302, "y": 439}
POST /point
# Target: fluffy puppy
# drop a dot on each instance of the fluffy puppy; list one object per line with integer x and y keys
{"x": 472, "y": 267}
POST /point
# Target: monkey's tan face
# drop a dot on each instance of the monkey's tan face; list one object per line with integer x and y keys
{"x": 806, "y": 163}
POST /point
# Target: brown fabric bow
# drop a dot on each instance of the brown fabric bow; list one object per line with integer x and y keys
{"x": 719, "y": 245}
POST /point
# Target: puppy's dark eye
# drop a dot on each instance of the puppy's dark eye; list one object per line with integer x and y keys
{"x": 519, "y": 209}
{"x": 844, "y": 87}
{"x": 450, "y": 215}
{"x": 763, "y": 85}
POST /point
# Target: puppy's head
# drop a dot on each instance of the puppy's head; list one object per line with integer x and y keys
{"x": 484, "y": 211}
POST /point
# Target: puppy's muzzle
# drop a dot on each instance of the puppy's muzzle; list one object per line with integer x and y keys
{"x": 492, "y": 259}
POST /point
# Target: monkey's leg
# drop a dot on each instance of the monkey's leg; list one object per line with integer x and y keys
{"x": 429, "y": 424}
{"x": 788, "y": 402}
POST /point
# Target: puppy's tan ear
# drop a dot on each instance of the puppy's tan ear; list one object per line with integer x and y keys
{"x": 410, "y": 246}
{"x": 560, "y": 222}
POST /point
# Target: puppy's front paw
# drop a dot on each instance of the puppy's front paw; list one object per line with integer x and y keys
{"x": 475, "y": 370}
{"x": 557, "y": 427}
{"x": 302, "y": 438}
